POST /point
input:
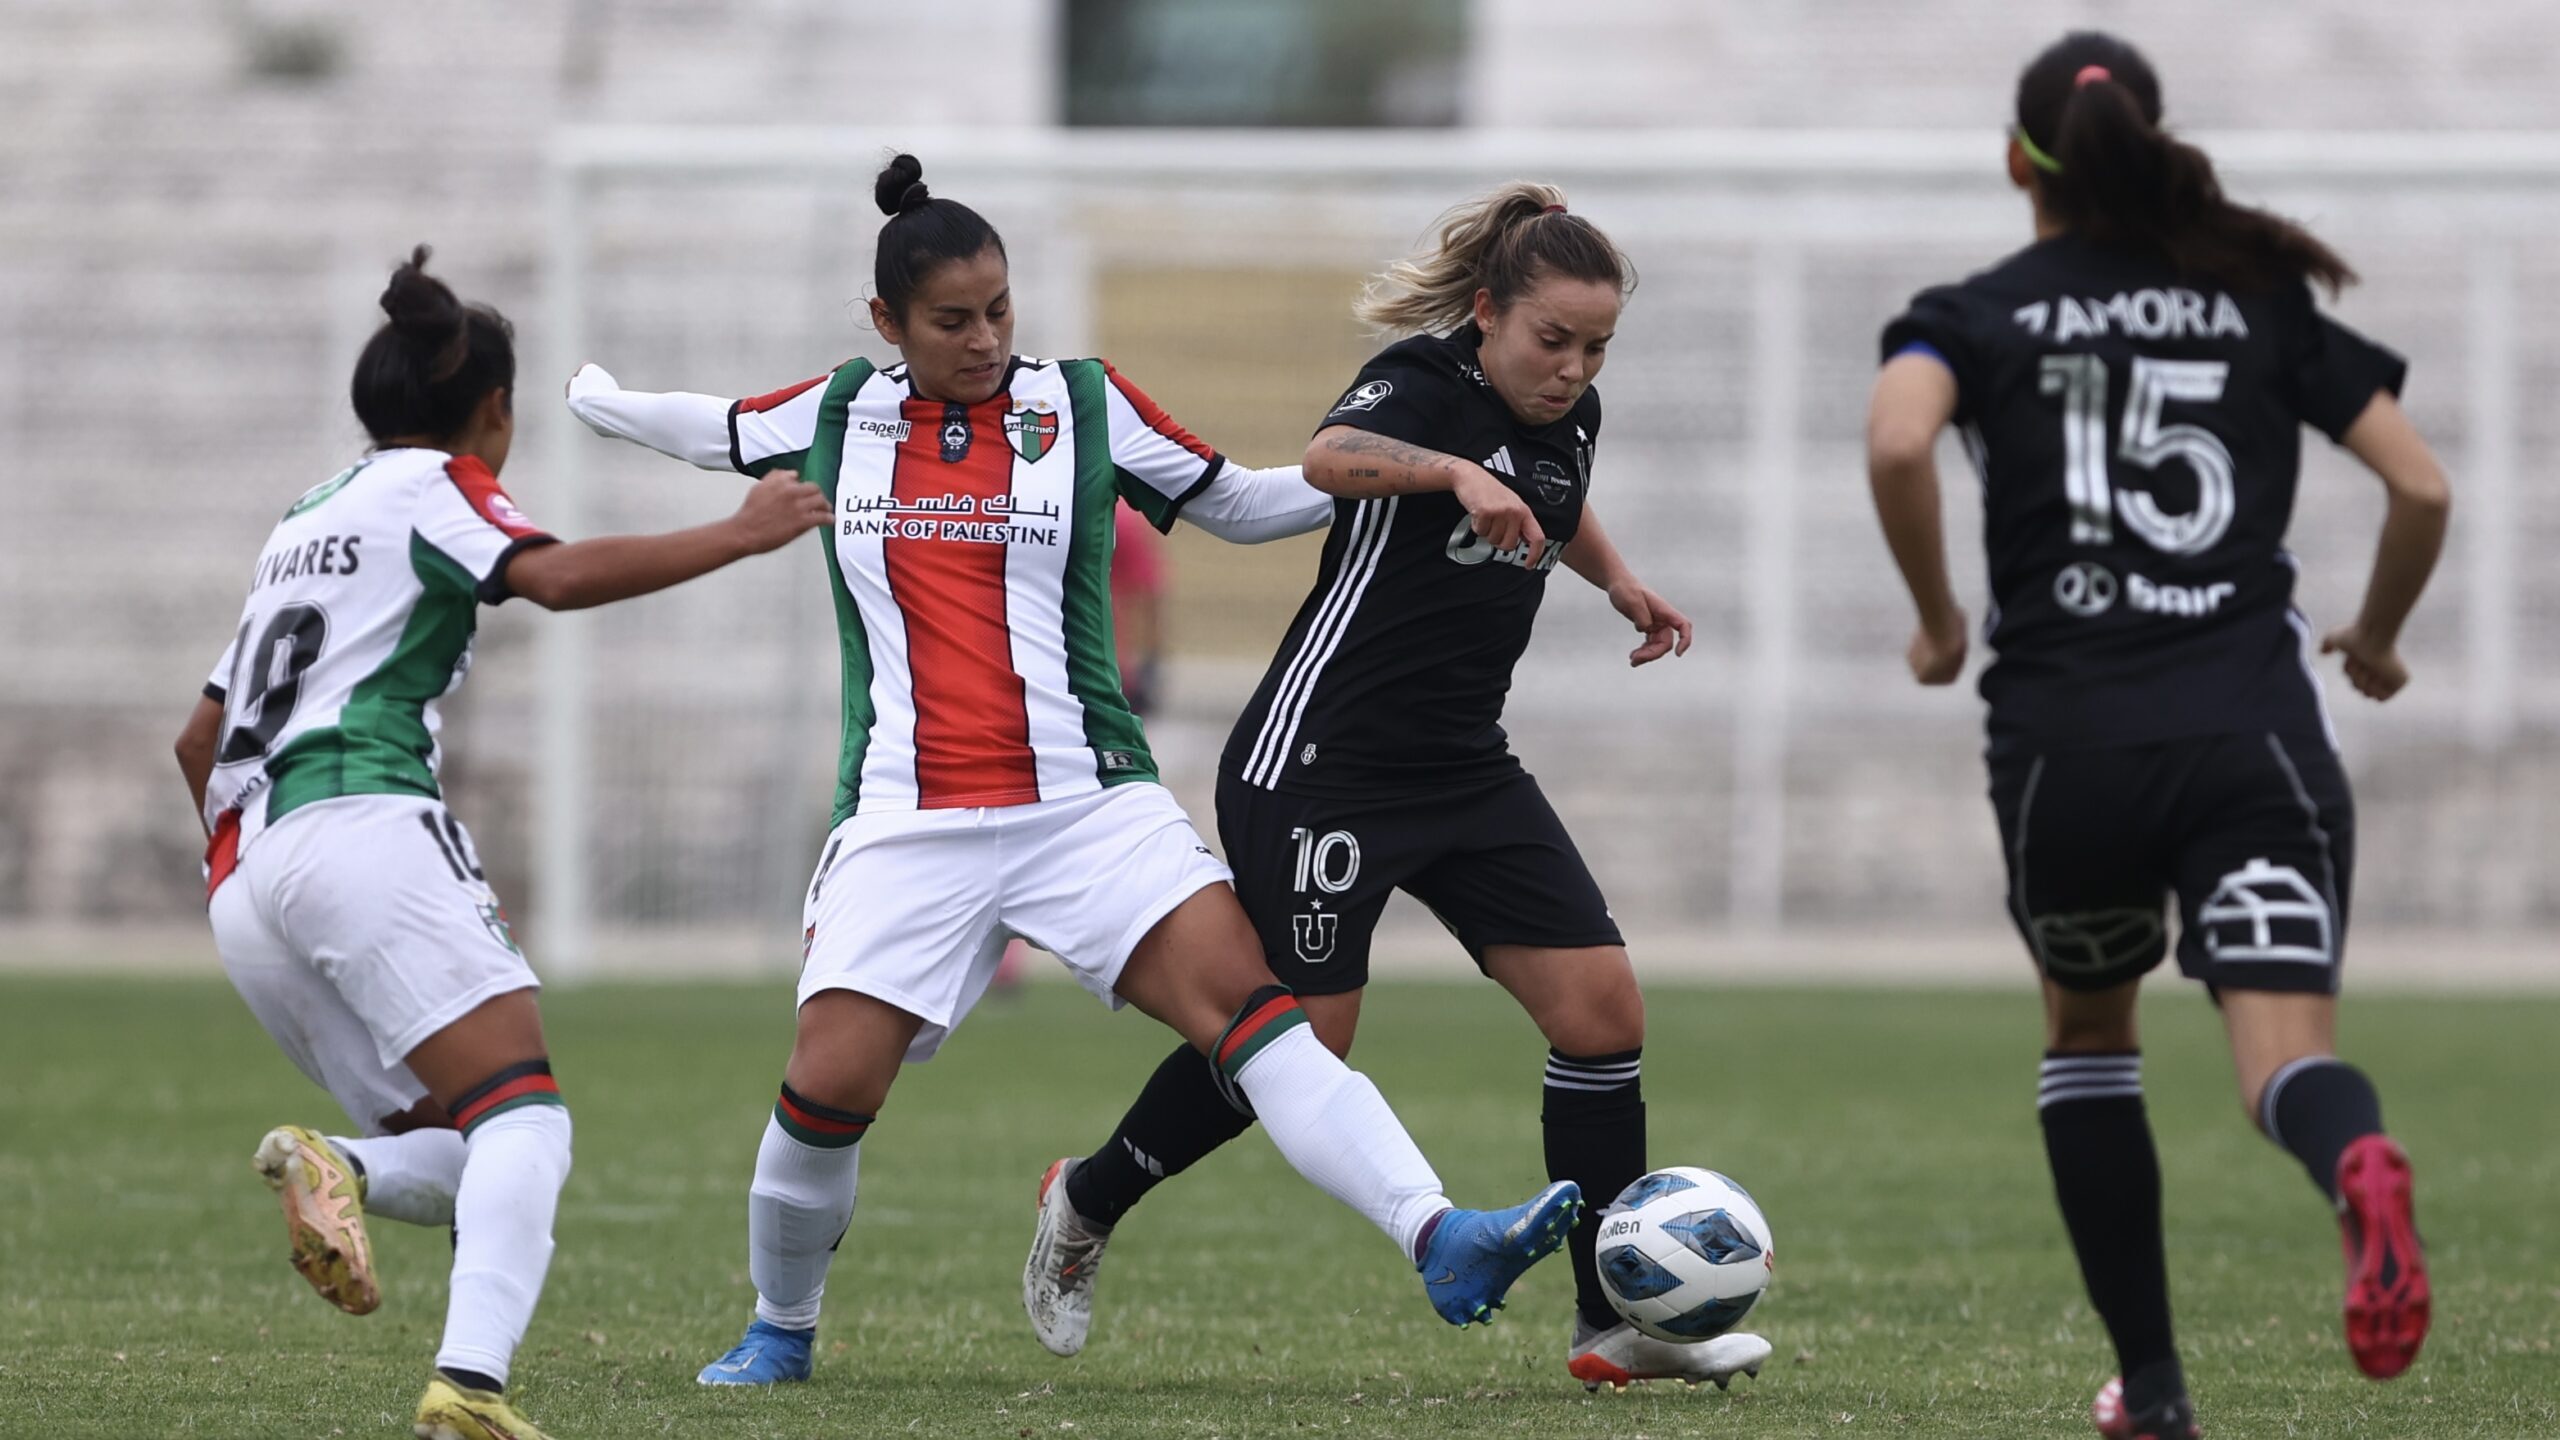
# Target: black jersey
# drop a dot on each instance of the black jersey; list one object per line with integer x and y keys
{"x": 2138, "y": 436}
{"x": 1392, "y": 677}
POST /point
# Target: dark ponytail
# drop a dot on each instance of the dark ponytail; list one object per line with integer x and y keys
{"x": 923, "y": 233}
{"x": 2089, "y": 117}
{"x": 428, "y": 367}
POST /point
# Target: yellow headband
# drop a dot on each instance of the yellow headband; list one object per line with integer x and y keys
{"x": 2035, "y": 153}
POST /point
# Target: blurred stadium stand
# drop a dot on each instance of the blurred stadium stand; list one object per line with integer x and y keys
{"x": 201, "y": 201}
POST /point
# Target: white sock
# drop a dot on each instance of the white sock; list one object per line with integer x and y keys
{"x": 412, "y": 1177}
{"x": 797, "y": 1210}
{"x": 1336, "y": 1130}
{"x": 502, "y": 1213}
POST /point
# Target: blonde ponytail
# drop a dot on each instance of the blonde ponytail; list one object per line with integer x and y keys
{"x": 1500, "y": 242}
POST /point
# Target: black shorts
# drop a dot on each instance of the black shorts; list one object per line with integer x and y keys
{"x": 1492, "y": 861}
{"x": 2254, "y": 833}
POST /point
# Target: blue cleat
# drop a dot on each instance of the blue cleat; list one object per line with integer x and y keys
{"x": 769, "y": 1355}
{"x": 1475, "y": 1255}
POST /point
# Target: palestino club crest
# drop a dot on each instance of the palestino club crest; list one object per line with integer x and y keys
{"x": 1033, "y": 431}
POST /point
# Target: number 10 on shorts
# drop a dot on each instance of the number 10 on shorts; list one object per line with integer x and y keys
{"x": 1330, "y": 861}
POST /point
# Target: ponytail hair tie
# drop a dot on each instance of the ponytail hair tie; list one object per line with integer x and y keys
{"x": 1552, "y": 210}
{"x": 2091, "y": 75}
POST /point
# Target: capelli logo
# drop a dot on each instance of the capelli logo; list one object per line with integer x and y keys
{"x": 885, "y": 429}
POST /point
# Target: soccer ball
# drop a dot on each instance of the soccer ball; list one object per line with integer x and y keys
{"x": 1684, "y": 1254}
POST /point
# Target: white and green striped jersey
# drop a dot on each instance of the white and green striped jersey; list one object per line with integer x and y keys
{"x": 970, "y": 559}
{"x": 359, "y": 618}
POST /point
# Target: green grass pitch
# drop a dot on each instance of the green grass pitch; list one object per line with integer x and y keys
{"x": 1923, "y": 1288}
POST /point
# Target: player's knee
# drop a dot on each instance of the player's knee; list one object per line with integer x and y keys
{"x": 848, "y": 1049}
{"x": 1605, "y": 1020}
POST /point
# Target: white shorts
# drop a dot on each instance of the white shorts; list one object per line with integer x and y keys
{"x": 356, "y": 928}
{"x": 915, "y": 907}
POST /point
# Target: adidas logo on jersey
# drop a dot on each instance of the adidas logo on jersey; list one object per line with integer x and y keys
{"x": 1499, "y": 462}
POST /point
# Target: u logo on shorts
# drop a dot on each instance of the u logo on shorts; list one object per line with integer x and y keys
{"x": 1315, "y": 936}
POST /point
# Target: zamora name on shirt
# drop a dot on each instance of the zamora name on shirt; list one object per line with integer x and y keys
{"x": 2149, "y": 314}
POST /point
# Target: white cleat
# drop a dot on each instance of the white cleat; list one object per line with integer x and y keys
{"x": 1623, "y": 1355}
{"x": 1066, "y": 1252}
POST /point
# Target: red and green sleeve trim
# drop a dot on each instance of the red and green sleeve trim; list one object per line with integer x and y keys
{"x": 1265, "y": 1018}
{"x": 529, "y": 1083}
{"x": 819, "y": 1126}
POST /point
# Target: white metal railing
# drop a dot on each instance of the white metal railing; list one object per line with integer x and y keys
{"x": 1791, "y": 212}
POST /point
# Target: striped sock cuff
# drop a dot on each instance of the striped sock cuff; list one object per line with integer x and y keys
{"x": 1268, "y": 1014}
{"x": 821, "y": 1127}
{"x": 528, "y": 1083}
{"x": 2275, "y": 1088}
{"x": 2089, "y": 1077}
{"x": 1621, "y": 1071}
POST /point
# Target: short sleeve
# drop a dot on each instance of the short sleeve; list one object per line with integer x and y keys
{"x": 1936, "y": 325}
{"x": 468, "y": 520}
{"x": 2332, "y": 372}
{"x": 217, "y": 686}
{"x": 1161, "y": 466}
{"x": 774, "y": 430}
{"x": 1400, "y": 397}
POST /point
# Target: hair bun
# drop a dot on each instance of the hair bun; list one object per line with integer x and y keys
{"x": 900, "y": 187}
{"x": 425, "y": 311}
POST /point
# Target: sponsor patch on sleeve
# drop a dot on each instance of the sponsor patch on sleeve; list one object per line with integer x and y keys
{"x": 480, "y": 490}
{"x": 1365, "y": 396}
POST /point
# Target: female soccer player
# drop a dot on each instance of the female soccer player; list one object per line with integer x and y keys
{"x": 994, "y": 782}
{"x": 348, "y": 903}
{"x": 2154, "y": 725}
{"x": 1372, "y": 757}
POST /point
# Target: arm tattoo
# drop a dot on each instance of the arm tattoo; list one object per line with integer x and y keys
{"x": 1403, "y": 469}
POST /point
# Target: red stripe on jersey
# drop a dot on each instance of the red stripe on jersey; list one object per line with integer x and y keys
{"x": 221, "y": 852}
{"x": 480, "y": 489}
{"x": 1149, "y": 411}
{"x": 973, "y": 730}
{"x": 773, "y": 399}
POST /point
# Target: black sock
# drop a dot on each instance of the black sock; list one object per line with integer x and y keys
{"x": 1594, "y": 1119}
{"x": 2316, "y": 1108}
{"x": 2106, "y": 1174}
{"x": 473, "y": 1380}
{"x": 1176, "y": 1120}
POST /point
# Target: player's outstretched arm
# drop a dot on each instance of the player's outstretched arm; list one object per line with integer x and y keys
{"x": 1356, "y": 464}
{"x": 2412, "y": 536}
{"x": 1915, "y": 397}
{"x": 1252, "y": 507}
{"x": 1595, "y": 558}
{"x": 583, "y": 573}
{"x": 692, "y": 428}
